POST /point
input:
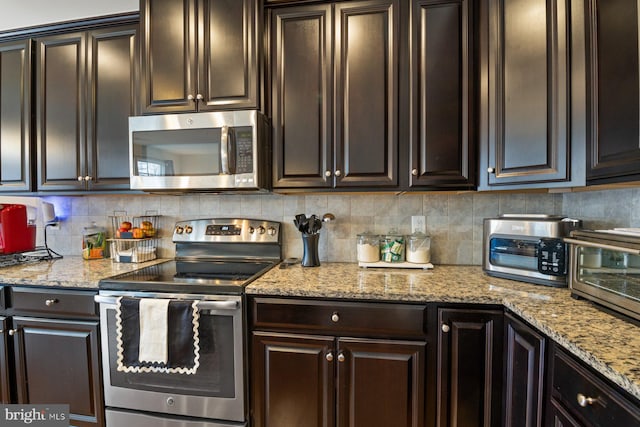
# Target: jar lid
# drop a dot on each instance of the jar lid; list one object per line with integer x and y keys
{"x": 418, "y": 236}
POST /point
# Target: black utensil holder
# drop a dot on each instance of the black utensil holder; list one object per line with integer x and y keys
{"x": 310, "y": 256}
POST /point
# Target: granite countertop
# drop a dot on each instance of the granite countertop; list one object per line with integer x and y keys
{"x": 68, "y": 272}
{"x": 608, "y": 344}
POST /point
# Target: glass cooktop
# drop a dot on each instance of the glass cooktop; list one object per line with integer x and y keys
{"x": 211, "y": 277}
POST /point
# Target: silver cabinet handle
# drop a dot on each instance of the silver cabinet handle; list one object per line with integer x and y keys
{"x": 585, "y": 401}
{"x": 50, "y": 302}
{"x": 190, "y": 97}
{"x": 12, "y": 332}
{"x": 335, "y": 317}
{"x": 340, "y": 357}
{"x": 327, "y": 173}
{"x": 329, "y": 357}
{"x": 491, "y": 170}
{"x": 445, "y": 328}
{"x": 414, "y": 172}
{"x": 338, "y": 173}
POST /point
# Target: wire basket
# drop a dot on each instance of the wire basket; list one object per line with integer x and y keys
{"x": 134, "y": 237}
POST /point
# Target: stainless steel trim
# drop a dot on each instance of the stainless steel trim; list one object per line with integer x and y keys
{"x": 224, "y": 149}
{"x": 601, "y": 245}
{"x": 202, "y": 305}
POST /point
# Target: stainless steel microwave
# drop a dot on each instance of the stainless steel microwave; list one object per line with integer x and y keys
{"x": 209, "y": 152}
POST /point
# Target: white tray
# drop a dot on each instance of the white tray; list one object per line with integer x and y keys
{"x": 382, "y": 264}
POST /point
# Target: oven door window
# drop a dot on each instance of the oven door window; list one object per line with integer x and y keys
{"x": 214, "y": 377}
{"x": 514, "y": 253}
{"x": 612, "y": 271}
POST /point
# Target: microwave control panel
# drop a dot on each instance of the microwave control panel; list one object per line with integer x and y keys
{"x": 552, "y": 256}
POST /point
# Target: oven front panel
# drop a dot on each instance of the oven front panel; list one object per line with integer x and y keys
{"x": 215, "y": 391}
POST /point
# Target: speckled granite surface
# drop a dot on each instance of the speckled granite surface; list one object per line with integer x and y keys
{"x": 70, "y": 271}
{"x": 608, "y": 344}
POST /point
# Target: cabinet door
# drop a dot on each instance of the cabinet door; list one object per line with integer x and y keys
{"x": 57, "y": 361}
{"x": 443, "y": 37}
{"x": 528, "y": 100}
{"x": 469, "y": 368}
{"x": 366, "y": 84}
{"x": 380, "y": 383}
{"x": 168, "y": 60}
{"x": 60, "y": 109}
{"x": 292, "y": 380}
{"x": 524, "y": 379}
{"x": 614, "y": 132}
{"x": 5, "y": 368}
{"x": 111, "y": 86}
{"x": 301, "y": 96}
{"x": 227, "y": 54}
{"x": 15, "y": 116}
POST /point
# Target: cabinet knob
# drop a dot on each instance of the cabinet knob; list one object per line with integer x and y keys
{"x": 81, "y": 178}
{"x": 88, "y": 178}
{"x": 329, "y": 357}
{"x": 340, "y": 357}
{"x": 335, "y": 317}
{"x": 414, "y": 172}
{"x": 445, "y": 328}
{"x": 491, "y": 170}
{"x": 338, "y": 173}
{"x": 190, "y": 98}
{"x": 50, "y": 302}
{"x": 585, "y": 401}
{"x": 327, "y": 173}
{"x": 199, "y": 97}
{"x": 12, "y": 332}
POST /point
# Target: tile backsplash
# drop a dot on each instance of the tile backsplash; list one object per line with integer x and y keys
{"x": 454, "y": 221}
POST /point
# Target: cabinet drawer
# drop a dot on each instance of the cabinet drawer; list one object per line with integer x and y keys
{"x": 339, "y": 318}
{"x": 570, "y": 382}
{"x": 53, "y": 302}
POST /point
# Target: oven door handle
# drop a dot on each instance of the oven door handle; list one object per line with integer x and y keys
{"x": 202, "y": 305}
{"x": 602, "y": 246}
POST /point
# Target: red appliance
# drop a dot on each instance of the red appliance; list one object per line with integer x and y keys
{"x": 16, "y": 235}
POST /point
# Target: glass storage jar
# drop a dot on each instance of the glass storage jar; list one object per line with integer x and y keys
{"x": 419, "y": 248}
{"x": 368, "y": 247}
{"x": 392, "y": 248}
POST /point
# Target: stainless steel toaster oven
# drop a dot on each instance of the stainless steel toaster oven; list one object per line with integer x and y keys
{"x": 605, "y": 268}
{"x": 528, "y": 247}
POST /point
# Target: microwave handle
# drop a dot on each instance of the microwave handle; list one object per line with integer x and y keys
{"x": 602, "y": 246}
{"x": 228, "y": 151}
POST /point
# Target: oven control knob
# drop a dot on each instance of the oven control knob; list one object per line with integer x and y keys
{"x": 261, "y": 230}
{"x": 170, "y": 401}
{"x": 252, "y": 230}
{"x": 271, "y": 231}
{"x": 179, "y": 230}
{"x": 188, "y": 229}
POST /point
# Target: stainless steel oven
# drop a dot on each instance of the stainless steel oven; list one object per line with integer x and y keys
{"x": 215, "y": 260}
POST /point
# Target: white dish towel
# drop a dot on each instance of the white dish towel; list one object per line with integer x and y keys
{"x": 153, "y": 330}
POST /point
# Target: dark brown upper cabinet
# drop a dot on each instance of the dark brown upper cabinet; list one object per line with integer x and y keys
{"x": 443, "y": 75}
{"x": 84, "y": 96}
{"x": 613, "y": 136}
{"x": 15, "y": 116}
{"x": 198, "y": 55}
{"x": 533, "y": 98}
{"x": 334, "y": 94}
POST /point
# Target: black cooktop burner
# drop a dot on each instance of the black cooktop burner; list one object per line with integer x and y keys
{"x": 220, "y": 277}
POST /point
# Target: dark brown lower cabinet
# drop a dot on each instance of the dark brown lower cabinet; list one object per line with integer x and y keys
{"x": 317, "y": 381}
{"x": 469, "y": 367}
{"x": 524, "y": 374}
{"x": 5, "y": 380}
{"x": 56, "y": 362}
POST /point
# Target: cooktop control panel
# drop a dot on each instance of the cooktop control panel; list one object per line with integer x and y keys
{"x": 226, "y": 230}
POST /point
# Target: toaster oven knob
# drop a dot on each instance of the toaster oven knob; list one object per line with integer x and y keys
{"x": 188, "y": 229}
{"x": 170, "y": 401}
{"x": 445, "y": 328}
{"x": 179, "y": 230}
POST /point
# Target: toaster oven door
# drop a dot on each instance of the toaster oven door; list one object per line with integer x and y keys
{"x": 606, "y": 274}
